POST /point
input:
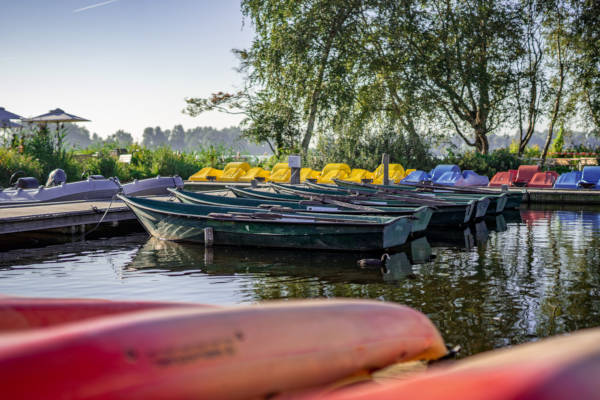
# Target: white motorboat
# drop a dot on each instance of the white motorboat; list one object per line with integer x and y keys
{"x": 152, "y": 186}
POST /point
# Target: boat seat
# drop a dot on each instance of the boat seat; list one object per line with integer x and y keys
{"x": 309, "y": 174}
{"x": 28, "y": 182}
{"x": 590, "y": 177}
{"x": 504, "y": 178}
{"x": 416, "y": 177}
{"x": 56, "y": 177}
{"x": 255, "y": 173}
{"x": 206, "y": 174}
{"x": 233, "y": 171}
{"x": 543, "y": 180}
{"x": 280, "y": 173}
{"x": 334, "y": 171}
{"x": 441, "y": 169}
{"x": 568, "y": 180}
{"x": 395, "y": 173}
{"x": 359, "y": 175}
{"x": 525, "y": 173}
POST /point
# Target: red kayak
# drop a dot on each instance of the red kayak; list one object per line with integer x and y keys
{"x": 561, "y": 368}
{"x": 20, "y": 313}
{"x": 237, "y": 352}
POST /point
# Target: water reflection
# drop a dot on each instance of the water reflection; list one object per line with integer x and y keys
{"x": 507, "y": 280}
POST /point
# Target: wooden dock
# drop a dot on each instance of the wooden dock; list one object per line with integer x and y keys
{"x": 74, "y": 215}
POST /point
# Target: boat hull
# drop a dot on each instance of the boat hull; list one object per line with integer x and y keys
{"x": 288, "y": 232}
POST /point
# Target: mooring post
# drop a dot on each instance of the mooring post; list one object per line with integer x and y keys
{"x": 385, "y": 160}
{"x": 295, "y": 163}
{"x": 208, "y": 237}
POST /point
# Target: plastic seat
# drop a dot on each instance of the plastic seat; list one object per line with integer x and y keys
{"x": 334, "y": 171}
{"x": 471, "y": 178}
{"x": 449, "y": 178}
{"x": 441, "y": 169}
{"x": 590, "y": 177}
{"x": 255, "y": 173}
{"x": 543, "y": 180}
{"x": 525, "y": 173}
{"x": 233, "y": 171}
{"x": 280, "y": 173}
{"x": 504, "y": 178}
{"x": 416, "y": 177}
{"x": 206, "y": 174}
{"x": 395, "y": 174}
{"x": 568, "y": 180}
{"x": 359, "y": 175}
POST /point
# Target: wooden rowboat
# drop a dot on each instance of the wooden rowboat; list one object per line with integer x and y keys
{"x": 420, "y": 215}
{"x": 447, "y": 215}
{"x": 195, "y": 223}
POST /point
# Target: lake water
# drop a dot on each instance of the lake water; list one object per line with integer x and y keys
{"x": 508, "y": 280}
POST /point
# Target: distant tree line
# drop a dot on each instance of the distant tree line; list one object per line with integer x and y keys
{"x": 343, "y": 72}
{"x": 178, "y": 138}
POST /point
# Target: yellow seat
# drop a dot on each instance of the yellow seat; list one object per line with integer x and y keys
{"x": 280, "y": 173}
{"x": 205, "y": 173}
{"x": 233, "y": 171}
{"x": 334, "y": 171}
{"x": 308, "y": 173}
{"x": 255, "y": 173}
{"x": 395, "y": 173}
{"x": 358, "y": 175}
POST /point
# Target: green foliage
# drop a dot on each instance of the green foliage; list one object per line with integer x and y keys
{"x": 11, "y": 162}
{"x": 486, "y": 164}
{"x": 559, "y": 141}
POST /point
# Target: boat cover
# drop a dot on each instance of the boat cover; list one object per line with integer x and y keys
{"x": 441, "y": 169}
{"x": 280, "y": 173}
{"x": 395, "y": 172}
{"x": 449, "y": 178}
{"x": 568, "y": 180}
{"x": 357, "y": 175}
{"x": 590, "y": 177}
{"x": 334, "y": 171}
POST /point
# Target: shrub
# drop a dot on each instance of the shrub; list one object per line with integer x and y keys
{"x": 11, "y": 161}
{"x": 486, "y": 164}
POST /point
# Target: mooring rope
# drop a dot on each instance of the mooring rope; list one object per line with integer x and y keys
{"x": 103, "y": 216}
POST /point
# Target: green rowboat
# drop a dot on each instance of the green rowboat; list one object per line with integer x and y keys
{"x": 420, "y": 216}
{"x": 186, "y": 222}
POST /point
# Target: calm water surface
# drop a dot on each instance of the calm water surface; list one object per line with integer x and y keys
{"x": 508, "y": 280}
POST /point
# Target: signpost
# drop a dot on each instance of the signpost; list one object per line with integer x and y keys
{"x": 295, "y": 163}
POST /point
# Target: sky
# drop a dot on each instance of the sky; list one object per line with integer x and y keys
{"x": 124, "y": 64}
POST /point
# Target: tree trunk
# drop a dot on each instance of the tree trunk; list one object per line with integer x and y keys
{"x": 556, "y": 107}
{"x": 314, "y": 99}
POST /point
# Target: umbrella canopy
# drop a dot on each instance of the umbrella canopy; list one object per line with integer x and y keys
{"x": 57, "y": 116}
{"x": 6, "y": 115}
{"x": 6, "y": 123}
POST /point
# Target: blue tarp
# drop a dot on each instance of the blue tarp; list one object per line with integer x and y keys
{"x": 568, "y": 180}
{"x": 415, "y": 177}
{"x": 590, "y": 177}
{"x": 441, "y": 169}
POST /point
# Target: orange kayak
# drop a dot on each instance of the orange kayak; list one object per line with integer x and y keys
{"x": 20, "y": 313}
{"x": 559, "y": 368}
{"x": 235, "y": 352}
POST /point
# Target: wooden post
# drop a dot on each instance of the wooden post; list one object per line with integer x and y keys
{"x": 385, "y": 160}
{"x": 295, "y": 163}
{"x": 208, "y": 237}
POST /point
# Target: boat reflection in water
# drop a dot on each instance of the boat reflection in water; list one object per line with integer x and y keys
{"x": 186, "y": 258}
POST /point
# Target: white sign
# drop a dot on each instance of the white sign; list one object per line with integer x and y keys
{"x": 294, "y": 161}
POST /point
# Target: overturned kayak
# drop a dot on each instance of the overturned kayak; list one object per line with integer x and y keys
{"x": 195, "y": 223}
{"x": 22, "y": 313}
{"x": 239, "y": 352}
{"x": 559, "y": 368}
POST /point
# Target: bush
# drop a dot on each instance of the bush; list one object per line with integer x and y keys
{"x": 11, "y": 161}
{"x": 486, "y": 164}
